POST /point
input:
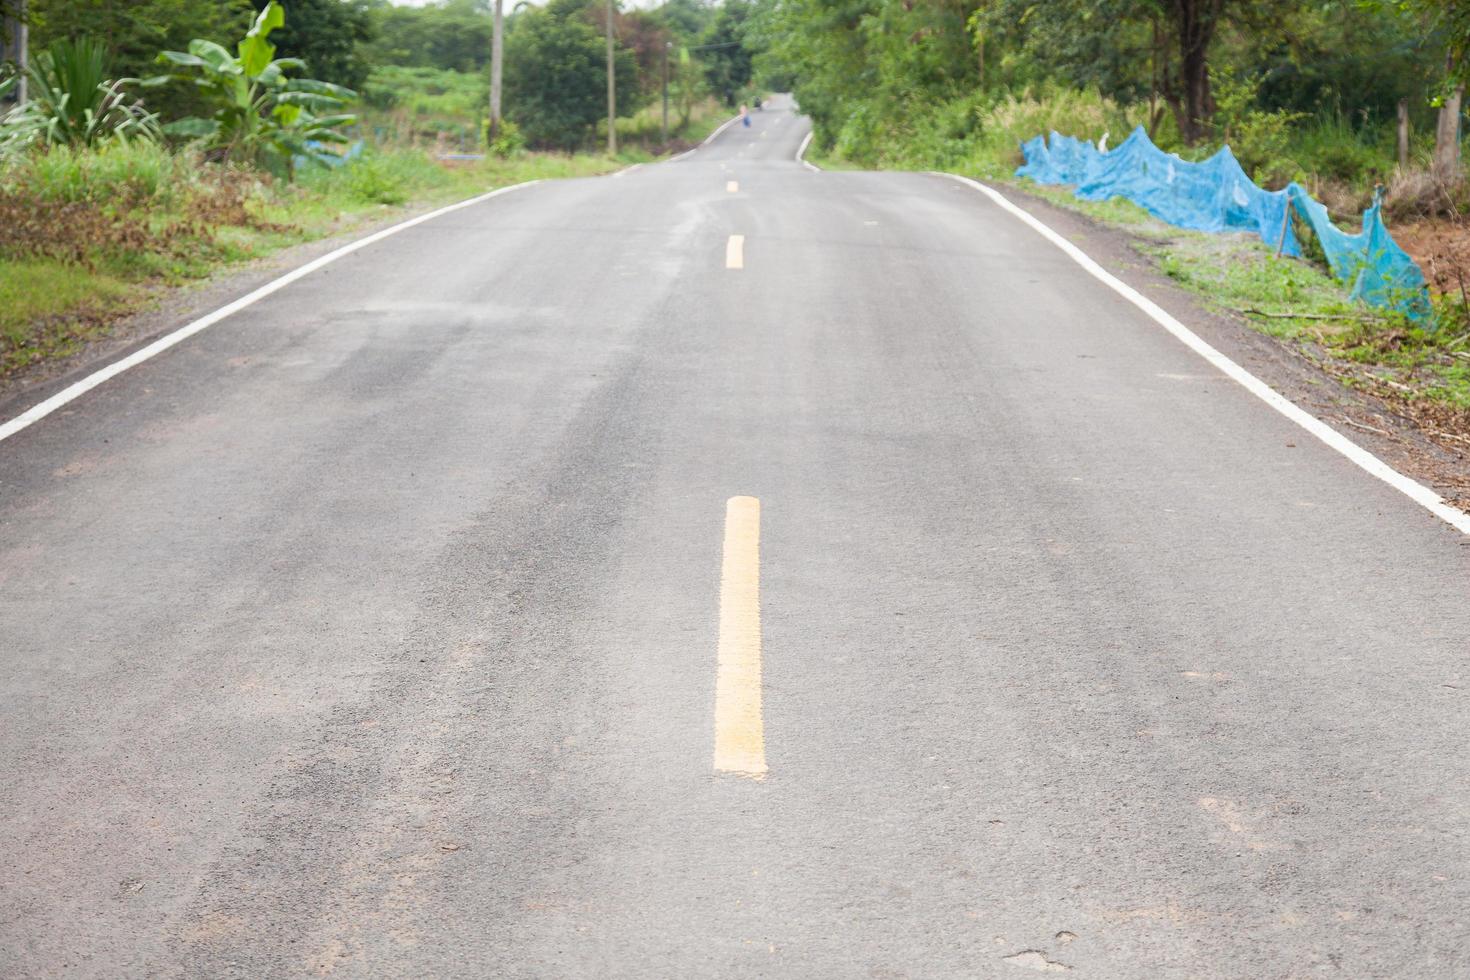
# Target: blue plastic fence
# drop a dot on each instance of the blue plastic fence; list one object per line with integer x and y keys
{"x": 1216, "y": 195}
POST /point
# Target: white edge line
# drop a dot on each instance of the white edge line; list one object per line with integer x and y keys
{"x": 722, "y": 127}
{"x": 801, "y": 154}
{"x": 627, "y": 170}
{"x": 1356, "y": 454}
{"x": 74, "y": 391}
{"x": 707, "y": 140}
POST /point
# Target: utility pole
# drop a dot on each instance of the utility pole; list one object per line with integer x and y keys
{"x": 667, "y": 45}
{"x": 612, "y": 95}
{"x": 17, "y": 36}
{"x": 497, "y": 64}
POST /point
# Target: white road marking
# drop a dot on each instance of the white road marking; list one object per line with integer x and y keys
{"x": 801, "y": 155}
{"x": 723, "y": 126}
{"x": 627, "y": 170}
{"x": 1356, "y": 454}
{"x": 735, "y": 252}
{"x": 708, "y": 139}
{"x": 732, "y": 186}
{"x": 75, "y": 391}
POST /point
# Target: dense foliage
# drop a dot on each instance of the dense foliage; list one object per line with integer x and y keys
{"x": 137, "y": 30}
{"x": 1298, "y": 87}
{"x": 556, "y": 75}
{"x": 258, "y": 113}
{"x": 328, "y": 37}
{"x": 453, "y": 35}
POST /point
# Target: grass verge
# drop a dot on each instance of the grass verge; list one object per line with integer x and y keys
{"x": 89, "y": 237}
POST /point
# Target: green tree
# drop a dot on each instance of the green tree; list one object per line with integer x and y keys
{"x": 327, "y": 35}
{"x": 687, "y": 19}
{"x": 556, "y": 75}
{"x": 864, "y": 66}
{"x": 451, "y": 35}
{"x": 136, "y": 31}
{"x": 1446, "y": 25}
{"x": 727, "y": 62}
{"x": 822, "y": 46}
{"x": 258, "y": 113}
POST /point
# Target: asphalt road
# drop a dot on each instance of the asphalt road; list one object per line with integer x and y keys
{"x": 374, "y": 631}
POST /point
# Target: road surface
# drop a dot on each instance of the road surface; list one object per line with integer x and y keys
{"x": 376, "y": 631}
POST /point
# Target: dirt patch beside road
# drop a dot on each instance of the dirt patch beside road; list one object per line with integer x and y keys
{"x": 1441, "y": 246}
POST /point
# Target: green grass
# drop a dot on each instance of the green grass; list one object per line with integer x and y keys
{"x": 1237, "y": 273}
{"x": 1301, "y": 304}
{"x": 645, "y": 127}
{"x": 829, "y": 160}
{"x": 49, "y": 308}
{"x": 52, "y": 304}
{"x": 406, "y": 106}
{"x": 640, "y": 136}
{"x": 1117, "y": 210}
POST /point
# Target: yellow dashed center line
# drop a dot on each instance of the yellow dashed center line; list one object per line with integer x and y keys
{"x": 733, "y": 186}
{"x": 740, "y": 739}
{"x": 735, "y": 252}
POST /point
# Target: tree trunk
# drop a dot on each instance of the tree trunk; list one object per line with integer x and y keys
{"x": 980, "y": 55}
{"x": 1403, "y": 135}
{"x": 1158, "y": 77}
{"x": 1195, "y": 21}
{"x": 1447, "y": 139}
{"x": 612, "y": 94}
{"x": 497, "y": 67}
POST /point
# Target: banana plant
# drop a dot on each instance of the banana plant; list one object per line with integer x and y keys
{"x": 260, "y": 115}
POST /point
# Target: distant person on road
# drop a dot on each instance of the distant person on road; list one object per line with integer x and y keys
{"x": 744, "y": 116}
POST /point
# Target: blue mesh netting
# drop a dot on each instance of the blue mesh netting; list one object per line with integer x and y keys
{"x": 1216, "y": 195}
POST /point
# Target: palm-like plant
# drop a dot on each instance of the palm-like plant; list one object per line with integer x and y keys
{"x": 260, "y": 115}
{"x": 72, "y": 101}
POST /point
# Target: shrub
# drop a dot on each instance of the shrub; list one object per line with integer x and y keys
{"x": 1259, "y": 139}
{"x": 72, "y": 102}
{"x": 508, "y": 142}
{"x": 1329, "y": 146}
{"x": 377, "y": 177}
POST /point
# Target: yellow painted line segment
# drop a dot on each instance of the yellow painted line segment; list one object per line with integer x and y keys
{"x": 735, "y": 252}
{"x": 740, "y": 735}
{"x": 733, "y": 186}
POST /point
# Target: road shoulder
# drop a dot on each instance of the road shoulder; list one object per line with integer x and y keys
{"x": 1368, "y": 421}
